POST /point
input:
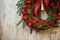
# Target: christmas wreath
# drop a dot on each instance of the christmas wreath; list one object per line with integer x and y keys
{"x": 32, "y": 13}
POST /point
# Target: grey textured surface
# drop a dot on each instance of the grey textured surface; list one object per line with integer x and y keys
{"x": 10, "y": 31}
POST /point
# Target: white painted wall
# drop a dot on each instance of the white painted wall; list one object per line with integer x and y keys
{"x": 10, "y": 31}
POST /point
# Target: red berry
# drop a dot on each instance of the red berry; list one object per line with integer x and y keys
{"x": 58, "y": 18}
{"x": 24, "y": 17}
{"x": 29, "y": 6}
{"x": 30, "y": 25}
{"x": 58, "y": 14}
{"x": 57, "y": 3}
{"x": 49, "y": 26}
{"x": 24, "y": 11}
{"x": 24, "y": 7}
{"x": 37, "y": 29}
{"x": 34, "y": 21}
{"x": 58, "y": 7}
{"x": 52, "y": 23}
{"x": 54, "y": 15}
{"x": 45, "y": 24}
{"x": 41, "y": 22}
{"x": 28, "y": 1}
{"x": 31, "y": 15}
{"x": 52, "y": 5}
{"x": 28, "y": 21}
{"x": 32, "y": 0}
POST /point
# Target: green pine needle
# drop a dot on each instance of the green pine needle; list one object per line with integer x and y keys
{"x": 24, "y": 24}
{"x": 31, "y": 30}
{"x": 20, "y": 3}
{"x": 38, "y": 25}
{"x": 19, "y": 22}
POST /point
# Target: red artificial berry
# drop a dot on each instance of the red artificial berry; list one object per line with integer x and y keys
{"x": 45, "y": 24}
{"x": 29, "y": 6}
{"x": 24, "y": 7}
{"x": 34, "y": 21}
{"x": 32, "y": 0}
{"x": 31, "y": 15}
{"x": 24, "y": 11}
{"x": 30, "y": 25}
{"x": 54, "y": 15}
{"x": 41, "y": 22}
{"x": 28, "y": 2}
{"x": 24, "y": 17}
{"x": 52, "y": 23}
{"x": 59, "y": 14}
{"x": 28, "y": 21}
{"x": 58, "y": 7}
{"x": 49, "y": 26}
{"x": 57, "y": 3}
{"x": 52, "y": 4}
{"x": 37, "y": 29}
{"x": 58, "y": 18}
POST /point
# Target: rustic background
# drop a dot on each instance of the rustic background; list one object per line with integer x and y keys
{"x": 9, "y": 30}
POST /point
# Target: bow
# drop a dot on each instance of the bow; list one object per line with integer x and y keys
{"x": 38, "y": 5}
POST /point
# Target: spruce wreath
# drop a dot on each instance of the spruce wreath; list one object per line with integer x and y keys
{"x": 31, "y": 14}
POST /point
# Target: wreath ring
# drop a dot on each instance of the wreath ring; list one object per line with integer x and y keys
{"x": 31, "y": 16}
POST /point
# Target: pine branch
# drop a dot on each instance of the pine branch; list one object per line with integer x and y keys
{"x": 19, "y": 22}
{"x": 19, "y": 5}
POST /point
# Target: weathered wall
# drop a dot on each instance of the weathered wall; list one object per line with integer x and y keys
{"x": 10, "y": 31}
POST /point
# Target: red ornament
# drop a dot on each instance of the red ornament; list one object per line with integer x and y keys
{"x": 52, "y": 5}
{"x": 31, "y": 15}
{"x": 59, "y": 14}
{"x": 28, "y": 2}
{"x": 32, "y": 0}
{"x": 37, "y": 29}
{"x": 58, "y": 18}
{"x": 52, "y": 23}
{"x": 30, "y": 25}
{"x": 54, "y": 15}
{"x": 28, "y": 5}
{"x": 24, "y": 7}
{"x": 45, "y": 24}
{"x": 34, "y": 21}
{"x": 41, "y": 22}
{"x": 24, "y": 17}
{"x": 57, "y": 7}
{"x": 49, "y": 26}
{"x": 28, "y": 21}
{"x": 24, "y": 11}
{"x": 57, "y": 3}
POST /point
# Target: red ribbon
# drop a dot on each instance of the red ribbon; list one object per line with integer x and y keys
{"x": 38, "y": 5}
